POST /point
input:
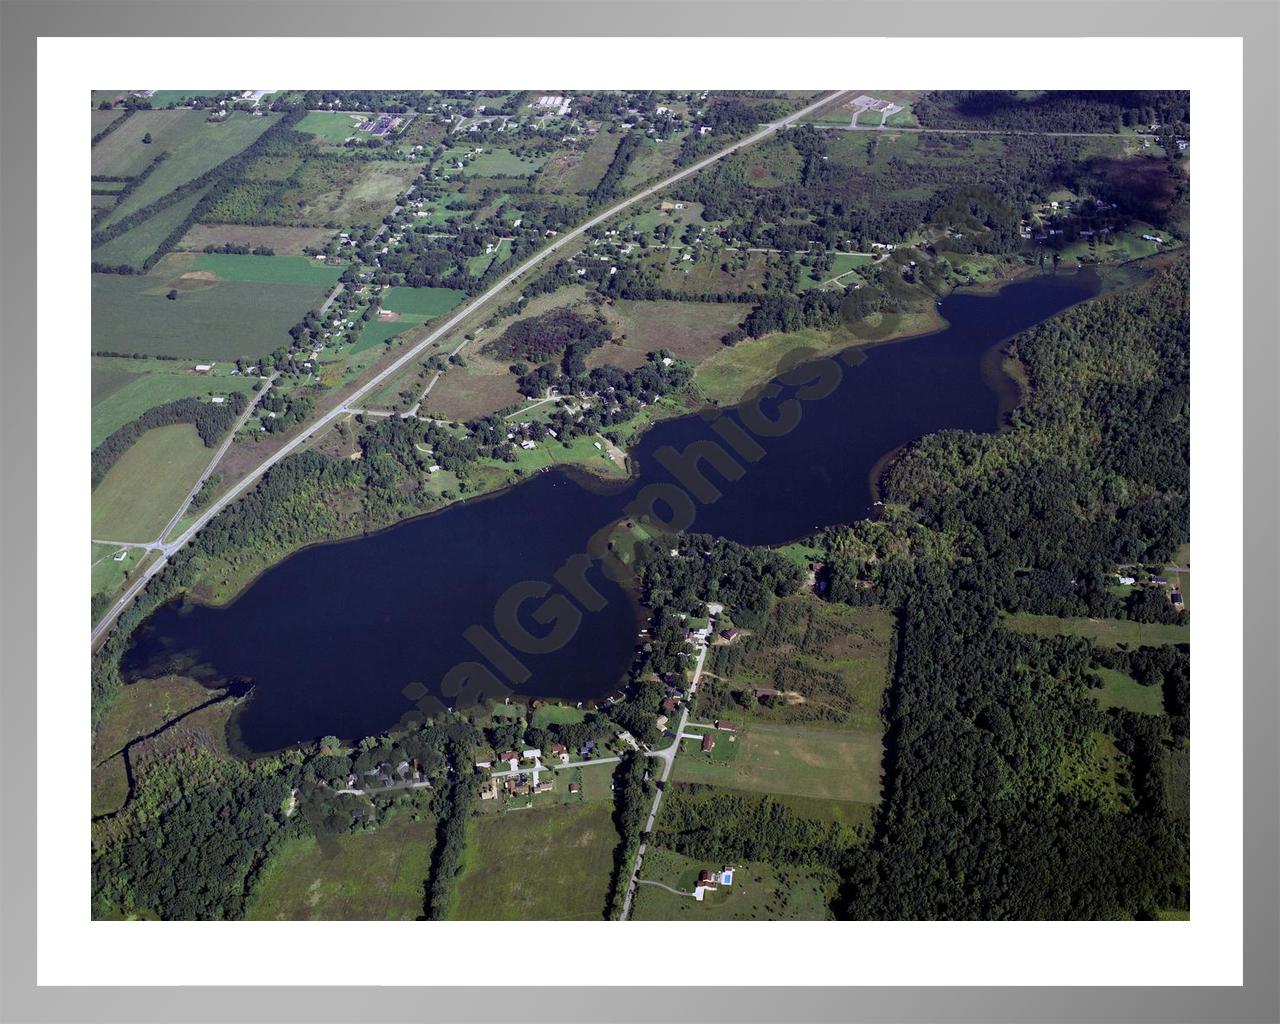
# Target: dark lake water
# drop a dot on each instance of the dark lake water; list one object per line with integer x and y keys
{"x": 333, "y": 635}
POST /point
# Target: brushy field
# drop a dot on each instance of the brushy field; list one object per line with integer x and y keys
{"x": 143, "y": 391}
{"x": 284, "y": 241}
{"x": 210, "y": 320}
{"x": 579, "y": 170}
{"x": 550, "y": 864}
{"x": 148, "y": 483}
{"x": 760, "y": 892}
{"x": 824, "y": 765}
{"x": 481, "y": 387}
{"x": 198, "y": 151}
{"x": 372, "y": 194}
{"x": 1108, "y": 632}
{"x": 836, "y": 657}
{"x": 269, "y": 269}
{"x": 691, "y": 330}
{"x": 373, "y": 876}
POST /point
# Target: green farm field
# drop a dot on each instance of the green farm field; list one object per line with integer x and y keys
{"x": 123, "y": 154}
{"x": 1108, "y": 632}
{"x": 145, "y": 391}
{"x": 760, "y": 892}
{"x": 133, "y": 247}
{"x": 375, "y": 332}
{"x": 141, "y": 492}
{"x": 269, "y": 269}
{"x": 824, "y": 765}
{"x": 550, "y": 864}
{"x": 361, "y": 876}
{"x": 210, "y": 320}
{"x": 198, "y": 151}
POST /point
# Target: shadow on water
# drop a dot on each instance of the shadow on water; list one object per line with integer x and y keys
{"x": 333, "y": 635}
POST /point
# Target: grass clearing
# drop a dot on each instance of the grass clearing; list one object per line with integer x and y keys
{"x": 550, "y": 864}
{"x": 1107, "y": 632}
{"x": 492, "y": 163}
{"x": 374, "y": 875}
{"x": 106, "y": 574}
{"x": 760, "y": 892}
{"x": 148, "y": 483}
{"x": 825, "y": 765}
{"x": 1121, "y": 690}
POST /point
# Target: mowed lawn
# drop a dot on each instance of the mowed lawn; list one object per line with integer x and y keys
{"x": 142, "y": 491}
{"x": 550, "y": 864}
{"x": 788, "y": 760}
{"x": 198, "y": 150}
{"x": 1108, "y": 632}
{"x": 361, "y": 876}
{"x": 269, "y": 269}
{"x": 760, "y": 892}
{"x": 330, "y": 126}
{"x": 209, "y": 321}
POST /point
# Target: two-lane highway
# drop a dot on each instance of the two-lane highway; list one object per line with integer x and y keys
{"x": 541, "y": 256}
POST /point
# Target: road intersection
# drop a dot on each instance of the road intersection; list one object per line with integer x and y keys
{"x": 167, "y": 549}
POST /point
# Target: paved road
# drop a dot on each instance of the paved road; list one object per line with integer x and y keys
{"x": 668, "y": 760}
{"x": 337, "y": 290}
{"x": 375, "y": 382}
{"x": 217, "y": 456}
{"x": 977, "y": 131}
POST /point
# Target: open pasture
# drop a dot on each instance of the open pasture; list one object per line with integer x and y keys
{"x": 543, "y": 864}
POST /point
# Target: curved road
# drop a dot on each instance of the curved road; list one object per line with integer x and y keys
{"x": 167, "y": 549}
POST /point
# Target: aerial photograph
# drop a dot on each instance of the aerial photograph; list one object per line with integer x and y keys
{"x": 656, "y": 505}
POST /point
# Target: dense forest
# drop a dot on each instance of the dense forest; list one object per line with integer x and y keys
{"x": 1058, "y": 110}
